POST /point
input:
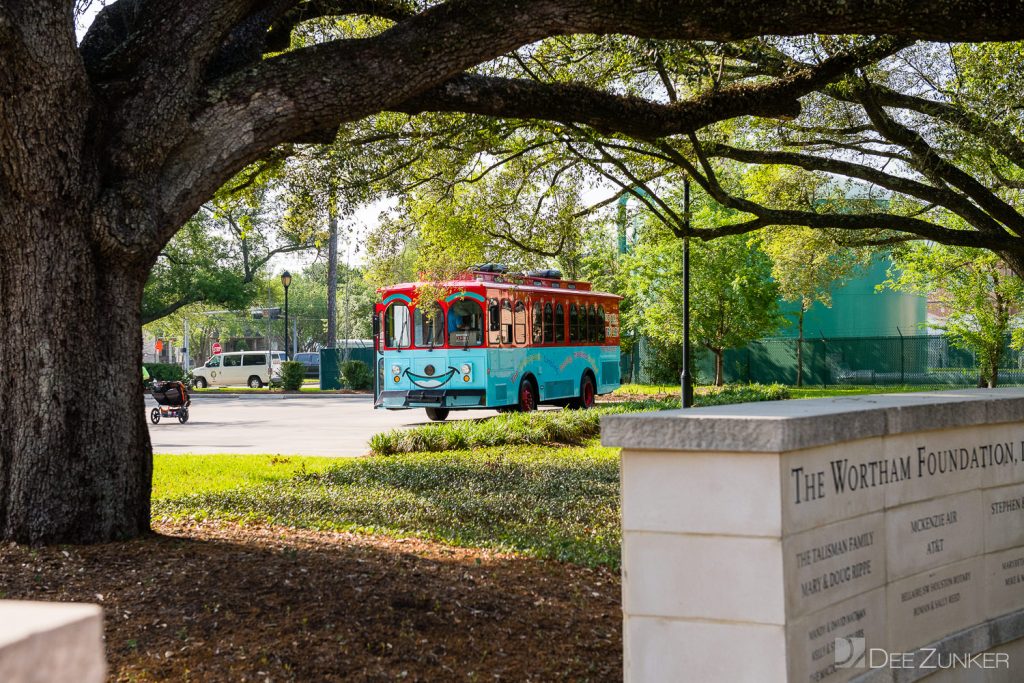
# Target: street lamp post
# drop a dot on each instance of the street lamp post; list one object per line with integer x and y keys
{"x": 286, "y": 280}
{"x": 685, "y": 379}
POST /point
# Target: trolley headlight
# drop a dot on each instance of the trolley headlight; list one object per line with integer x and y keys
{"x": 465, "y": 368}
{"x": 396, "y": 370}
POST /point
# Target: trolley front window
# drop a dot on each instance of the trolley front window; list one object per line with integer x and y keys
{"x": 466, "y": 323}
{"x": 429, "y": 325}
{"x": 397, "y": 334}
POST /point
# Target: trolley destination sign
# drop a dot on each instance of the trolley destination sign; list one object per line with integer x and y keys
{"x": 843, "y": 476}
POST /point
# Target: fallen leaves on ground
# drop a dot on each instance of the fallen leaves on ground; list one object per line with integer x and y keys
{"x": 225, "y": 602}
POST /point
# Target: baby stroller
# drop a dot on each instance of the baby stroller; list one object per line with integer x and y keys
{"x": 173, "y": 399}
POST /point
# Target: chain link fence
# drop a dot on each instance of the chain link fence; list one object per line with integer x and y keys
{"x": 851, "y": 361}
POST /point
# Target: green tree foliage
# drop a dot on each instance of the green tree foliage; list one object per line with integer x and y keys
{"x": 217, "y": 258}
{"x": 807, "y": 264}
{"x": 978, "y": 292}
{"x": 733, "y": 298}
{"x": 196, "y": 266}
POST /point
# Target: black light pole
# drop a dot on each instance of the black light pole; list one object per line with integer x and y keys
{"x": 685, "y": 380}
{"x": 286, "y": 280}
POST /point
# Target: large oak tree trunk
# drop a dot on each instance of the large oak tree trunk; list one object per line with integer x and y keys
{"x": 75, "y": 457}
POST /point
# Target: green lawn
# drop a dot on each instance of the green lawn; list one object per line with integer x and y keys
{"x": 179, "y": 475}
{"x": 802, "y": 392}
{"x": 557, "y": 503}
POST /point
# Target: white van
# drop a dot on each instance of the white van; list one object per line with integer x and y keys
{"x": 251, "y": 368}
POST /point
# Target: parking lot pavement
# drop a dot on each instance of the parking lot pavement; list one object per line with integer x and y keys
{"x": 339, "y": 425}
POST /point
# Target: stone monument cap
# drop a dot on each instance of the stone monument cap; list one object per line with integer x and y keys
{"x": 779, "y": 426}
{"x": 22, "y": 618}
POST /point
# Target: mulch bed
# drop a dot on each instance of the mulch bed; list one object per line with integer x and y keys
{"x": 223, "y": 602}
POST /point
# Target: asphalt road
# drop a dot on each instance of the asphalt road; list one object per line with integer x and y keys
{"x": 337, "y": 425}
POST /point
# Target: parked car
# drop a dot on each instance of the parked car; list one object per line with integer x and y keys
{"x": 238, "y": 368}
{"x": 312, "y": 363}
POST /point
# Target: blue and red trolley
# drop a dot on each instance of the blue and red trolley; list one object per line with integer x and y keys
{"x": 497, "y": 340}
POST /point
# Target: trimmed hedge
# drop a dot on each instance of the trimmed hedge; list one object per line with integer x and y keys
{"x": 741, "y": 393}
{"x": 165, "y": 372}
{"x": 564, "y": 427}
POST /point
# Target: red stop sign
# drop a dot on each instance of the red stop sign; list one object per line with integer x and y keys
{"x": 216, "y": 348}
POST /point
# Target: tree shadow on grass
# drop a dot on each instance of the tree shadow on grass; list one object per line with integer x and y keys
{"x": 564, "y": 508}
{"x": 221, "y": 602}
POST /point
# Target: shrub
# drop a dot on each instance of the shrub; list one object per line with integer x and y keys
{"x": 565, "y": 427}
{"x": 741, "y": 393}
{"x": 292, "y": 375}
{"x": 165, "y": 372}
{"x": 355, "y": 374}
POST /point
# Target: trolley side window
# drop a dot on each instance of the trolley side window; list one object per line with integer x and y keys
{"x": 559, "y": 324}
{"x": 538, "y": 329}
{"x": 506, "y": 321}
{"x": 591, "y": 323}
{"x": 429, "y": 324}
{"x": 574, "y": 324}
{"x": 396, "y": 326}
{"x": 549, "y": 324}
{"x": 520, "y": 323}
{"x": 600, "y": 324}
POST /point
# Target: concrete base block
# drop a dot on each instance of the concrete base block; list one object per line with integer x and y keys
{"x": 51, "y": 642}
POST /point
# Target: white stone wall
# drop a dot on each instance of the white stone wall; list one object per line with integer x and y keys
{"x": 746, "y": 565}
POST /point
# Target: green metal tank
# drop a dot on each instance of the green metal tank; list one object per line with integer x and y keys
{"x": 858, "y": 310}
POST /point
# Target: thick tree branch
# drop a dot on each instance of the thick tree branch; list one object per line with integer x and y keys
{"x": 941, "y": 195}
{"x": 934, "y": 167}
{"x": 279, "y": 37}
{"x": 1000, "y": 137}
{"x": 875, "y": 221}
{"x": 574, "y": 103}
{"x": 150, "y": 316}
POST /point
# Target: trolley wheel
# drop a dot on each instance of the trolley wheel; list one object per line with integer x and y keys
{"x": 527, "y": 396}
{"x": 154, "y": 415}
{"x": 200, "y": 382}
{"x": 255, "y": 382}
{"x": 587, "y": 395}
{"x": 183, "y": 415}
{"x": 437, "y": 414}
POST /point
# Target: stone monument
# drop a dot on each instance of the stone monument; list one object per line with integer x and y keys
{"x": 875, "y": 538}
